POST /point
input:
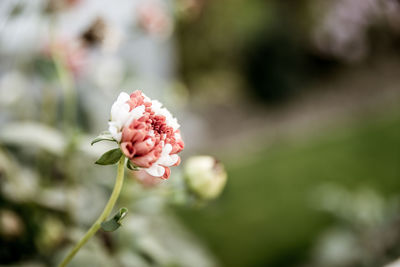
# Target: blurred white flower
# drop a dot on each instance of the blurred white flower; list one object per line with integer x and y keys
{"x": 12, "y": 86}
{"x": 336, "y": 248}
{"x": 394, "y": 264}
{"x": 22, "y": 32}
{"x": 363, "y": 207}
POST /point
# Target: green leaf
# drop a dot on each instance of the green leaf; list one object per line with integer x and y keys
{"x": 110, "y": 157}
{"x": 104, "y": 136}
{"x": 130, "y": 166}
{"x": 110, "y": 225}
{"x": 114, "y": 223}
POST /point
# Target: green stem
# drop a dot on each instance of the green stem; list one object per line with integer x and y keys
{"x": 107, "y": 210}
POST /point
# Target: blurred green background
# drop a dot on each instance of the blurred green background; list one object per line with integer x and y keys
{"x": 299, "y": 99}
{"x": 332, "y": 135}
{"x": 267, "y": 215}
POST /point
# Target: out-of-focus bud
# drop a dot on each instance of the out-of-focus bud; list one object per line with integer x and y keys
{"x": 51, "y": 233}
{"x": 205, "y": 176}
{"x": 11, "y": 224}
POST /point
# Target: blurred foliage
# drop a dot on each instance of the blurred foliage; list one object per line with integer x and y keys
{"x": 267, "y": 217}
{"x": 262, "y": 42}
{"x": 273, "y": 50}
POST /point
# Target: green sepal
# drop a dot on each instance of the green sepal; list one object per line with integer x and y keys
{"x": 115, "y": 222}
{"x": 104, "y": 136}
{"x": 130, "y": 166}
{"x": 110, "y": 157}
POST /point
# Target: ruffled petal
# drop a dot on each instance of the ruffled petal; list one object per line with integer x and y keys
{"x": 155, "y": 170}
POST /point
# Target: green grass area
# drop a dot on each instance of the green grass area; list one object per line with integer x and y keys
{"x": 265, "y": 217}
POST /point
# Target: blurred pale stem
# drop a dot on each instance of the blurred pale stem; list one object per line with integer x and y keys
{"x": 49, "y": 108}
{"x": 67, "y": 84}
{"x": 66, "y": 78}
{"x": 106, "y": 212}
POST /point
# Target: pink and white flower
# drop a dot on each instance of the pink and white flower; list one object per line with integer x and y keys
{"x": 147, "y": 133}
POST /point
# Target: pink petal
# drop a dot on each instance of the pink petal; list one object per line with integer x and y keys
{"x": 128, "y": 149}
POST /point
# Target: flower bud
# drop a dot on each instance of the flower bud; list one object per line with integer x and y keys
{"x": 11, "y": 225}
{"x": 205, "y": 176}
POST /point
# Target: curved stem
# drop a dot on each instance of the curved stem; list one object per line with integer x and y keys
{"x": 107, "y": 210}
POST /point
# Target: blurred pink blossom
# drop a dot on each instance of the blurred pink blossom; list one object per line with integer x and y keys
{"x": 154, "y": 19}
{"x": 72, "y": 52}
{"x": 342, "y": 31}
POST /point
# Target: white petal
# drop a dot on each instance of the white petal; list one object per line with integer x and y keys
{"x": 155, "y": 170}
{"x": 169, "y": 160}
{"x": 123, "y": 97}
{"x": 134, "y": 114}
{"x": 167, "y": 149}
{"x": 166, "y": 159}
{"x": 118, "y": 137}
{"x": 156, "y": 106}
{"x": 174, "y": 159}
{"x": 114, "y": 130}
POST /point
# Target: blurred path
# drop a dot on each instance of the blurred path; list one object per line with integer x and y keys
{"x": 344, "y": 97}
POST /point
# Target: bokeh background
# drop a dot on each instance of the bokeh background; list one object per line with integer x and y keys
{"x": 299, "y": 99}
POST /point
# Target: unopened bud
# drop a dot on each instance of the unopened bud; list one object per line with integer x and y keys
{"x": 205, "y": 176}
{"x": 11, "y": 224}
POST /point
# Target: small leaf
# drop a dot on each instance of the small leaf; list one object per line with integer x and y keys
{"x": 130, "y": 166}
{"x": 110, "y": 225}
{"x": 114, "y": 223}
{"x": 104, "y": 136}
{"x": 110, "y": 157}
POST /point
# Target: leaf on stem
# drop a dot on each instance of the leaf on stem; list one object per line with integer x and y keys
{"x": 114, "y": 223}
{"x": 110, "y": 157}
{"x": 104, "y": 136}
